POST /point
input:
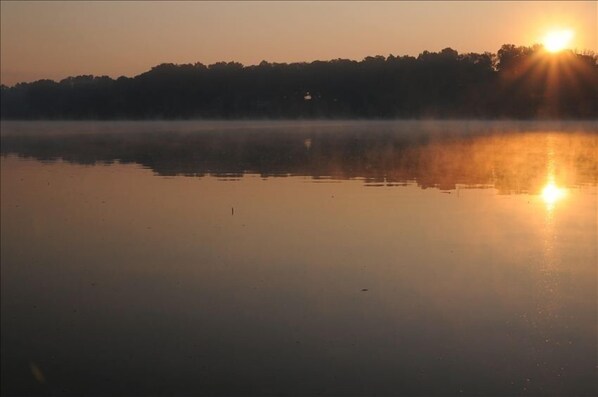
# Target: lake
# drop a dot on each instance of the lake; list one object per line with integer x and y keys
{"x": 299, "y": 258}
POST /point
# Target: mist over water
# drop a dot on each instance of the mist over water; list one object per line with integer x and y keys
{"x": 299, "y": 258}
{"x": 505, "y": 155}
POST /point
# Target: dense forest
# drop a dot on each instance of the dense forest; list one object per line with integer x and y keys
{"x": 516, "y": 82}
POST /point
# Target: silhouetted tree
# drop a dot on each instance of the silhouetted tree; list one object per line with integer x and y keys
{"x": 517, "y": 82}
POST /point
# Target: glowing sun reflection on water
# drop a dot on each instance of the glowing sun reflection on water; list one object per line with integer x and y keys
{"x": 551, "y": 194}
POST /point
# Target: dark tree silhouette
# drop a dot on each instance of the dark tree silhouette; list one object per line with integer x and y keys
{"x": 517, "y": 82}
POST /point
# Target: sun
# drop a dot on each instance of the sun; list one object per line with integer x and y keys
{"x": 557, "y": 40}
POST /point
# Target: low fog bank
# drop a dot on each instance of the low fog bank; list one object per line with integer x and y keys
{"x": 475, "y": 126}
{"x": 511, "y": 156}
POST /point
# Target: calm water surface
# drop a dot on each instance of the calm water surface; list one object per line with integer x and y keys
{"x": 269, "y": 258}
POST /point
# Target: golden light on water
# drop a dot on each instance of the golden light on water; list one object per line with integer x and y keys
{"x": 551, "y": 194}
{"x": 558, "y": 40}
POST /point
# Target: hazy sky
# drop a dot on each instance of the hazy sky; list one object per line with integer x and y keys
{"x": 59, "y": 39}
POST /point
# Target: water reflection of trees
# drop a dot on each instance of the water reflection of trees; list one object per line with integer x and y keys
{"x": 511, "y": 162}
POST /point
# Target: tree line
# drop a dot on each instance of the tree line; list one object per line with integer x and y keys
{"x": 516, "y": 82}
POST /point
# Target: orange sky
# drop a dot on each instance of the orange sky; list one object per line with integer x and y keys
{"x": 58, "y": 39}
